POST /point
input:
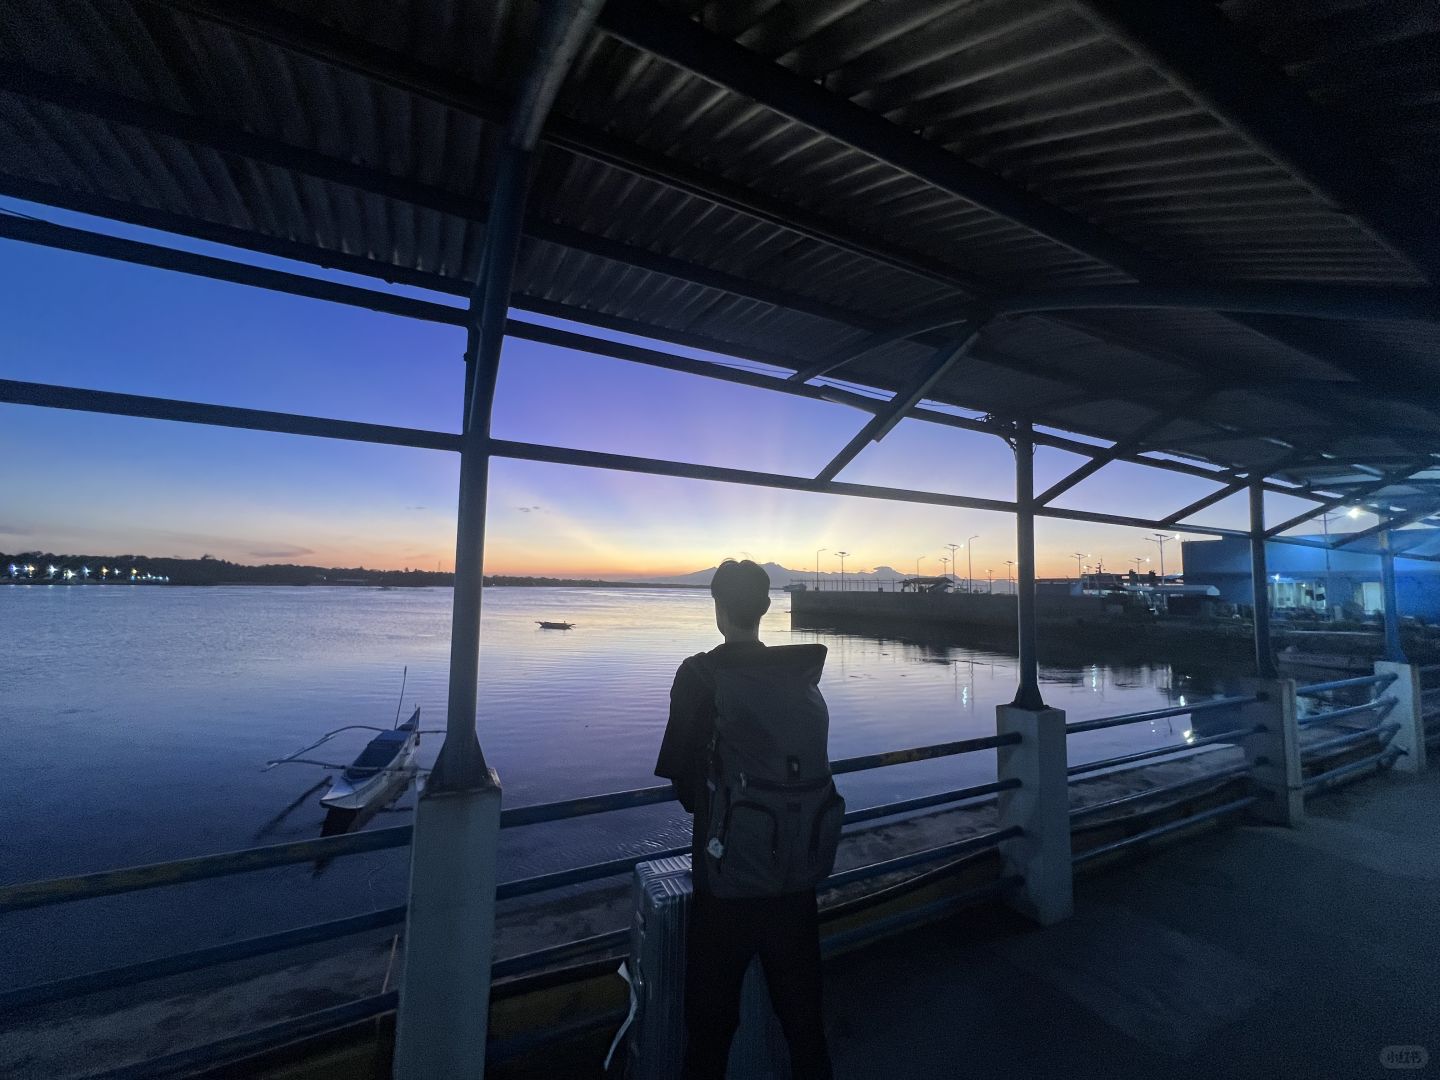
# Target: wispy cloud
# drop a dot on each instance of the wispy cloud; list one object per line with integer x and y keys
{"x": 530, "y": 509}
{"x": 283, "y": 551}
{"x": 14, "y": 530}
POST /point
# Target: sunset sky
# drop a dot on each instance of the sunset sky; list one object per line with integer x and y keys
{"x": 102, "y": 484}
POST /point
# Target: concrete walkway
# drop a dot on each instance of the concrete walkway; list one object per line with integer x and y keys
{"x": 1249, "y": 952}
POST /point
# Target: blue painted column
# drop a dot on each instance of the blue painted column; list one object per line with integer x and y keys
{"x": 1259, "y": 585}
{"x": 1393, "y": 652}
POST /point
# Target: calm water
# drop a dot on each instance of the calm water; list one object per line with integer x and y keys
{"x": 135, "y": 722}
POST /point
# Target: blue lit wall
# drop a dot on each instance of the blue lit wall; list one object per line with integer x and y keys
{"x": 1225, "y": 563}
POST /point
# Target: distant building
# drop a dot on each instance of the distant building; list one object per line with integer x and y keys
{"x": 1299, "y": 582}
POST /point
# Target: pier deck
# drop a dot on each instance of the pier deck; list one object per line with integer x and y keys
{"x": 1250, "y": 952}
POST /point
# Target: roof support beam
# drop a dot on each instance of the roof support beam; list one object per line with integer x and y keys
{"x": 1328, "y": 504}
{"x": 1310, "y": 301}
{"x": 896, "y": 409}
{"x": 1208, "y": 501}
{"x": 1194, "y": 45}
{"x": 65, "y": 238}
{"x": 874, "y": 343}
{"x": 1389, "y": 524}
{"x": 1131, "y": 442}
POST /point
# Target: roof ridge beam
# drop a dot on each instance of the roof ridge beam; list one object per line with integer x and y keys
{"x": 1308, "y": 301}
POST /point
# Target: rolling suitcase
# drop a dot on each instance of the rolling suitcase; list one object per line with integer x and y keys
{"x": 656, "y": 1044}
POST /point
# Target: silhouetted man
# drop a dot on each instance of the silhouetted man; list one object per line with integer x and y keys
{"x": 746, "y": 750}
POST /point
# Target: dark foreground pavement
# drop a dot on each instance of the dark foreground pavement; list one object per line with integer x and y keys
{"x": 1251, "y": 951}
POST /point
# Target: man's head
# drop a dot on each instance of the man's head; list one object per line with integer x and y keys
{"x": 742, "y": 595}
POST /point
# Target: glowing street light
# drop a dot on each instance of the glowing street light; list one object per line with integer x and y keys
{"x": 51, "y": 571}
{"x": 1009, "y": 582}
{"x": 1080, "y": 557}
{"x": 842, "y": 555}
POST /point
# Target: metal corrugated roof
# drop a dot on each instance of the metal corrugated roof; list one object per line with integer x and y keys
{"x": 1085, "y": 151}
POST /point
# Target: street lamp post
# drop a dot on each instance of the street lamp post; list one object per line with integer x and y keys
{"x": 1162, "y": 540}
{"x": 970, "y": 563}
{"x": 1080, "y": 558}
{"x": 990, "y": 574}
{"x": 842, "y": 555}
{"x": 917, "y": 568}
{"x": 817, "y": 567}
{"x": 953, "y": 564}
{"x": 945, "y": 566}
{"x": 1009, "y": 579}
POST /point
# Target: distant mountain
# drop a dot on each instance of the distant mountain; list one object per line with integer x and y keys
{"x": 781, "y": 576}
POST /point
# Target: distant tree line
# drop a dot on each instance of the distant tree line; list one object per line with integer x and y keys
{"x": 580, "y": 583}
{"x": 208, "y": 570}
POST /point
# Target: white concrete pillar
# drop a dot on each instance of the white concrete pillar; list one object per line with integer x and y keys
{"x": 1041, "y": 807}
{"x": 1273, "y": 754}
{"x": 1408, "y": 713}
{"x": 449, "y": 936}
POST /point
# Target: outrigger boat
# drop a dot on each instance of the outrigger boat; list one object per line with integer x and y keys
{"x": 383, "y": 767}
{"x": 386, "y": 758}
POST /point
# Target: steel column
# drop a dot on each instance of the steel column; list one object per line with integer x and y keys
{"x": 1027, "y": 695}
{"x": 1260, "y": 589}
{"x": 461, "y": 763}
{"x": 1393, "y": 652}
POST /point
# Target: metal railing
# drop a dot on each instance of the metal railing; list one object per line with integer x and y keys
{"x": 1315, "y": 689}
{"x": 1149, "y": 715}
{"x": 111, "y": 882}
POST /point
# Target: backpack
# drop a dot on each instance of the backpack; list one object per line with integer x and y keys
{"x": 774, "y": 816}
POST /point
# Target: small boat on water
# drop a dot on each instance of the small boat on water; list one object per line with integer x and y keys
{"x": 385, "y": 760}
{"x": 544, "y": 625}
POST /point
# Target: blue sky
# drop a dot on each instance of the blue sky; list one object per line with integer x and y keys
{"x": 101, "y": 484}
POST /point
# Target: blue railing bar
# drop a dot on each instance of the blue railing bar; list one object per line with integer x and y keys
{"x": 194, "y": 1058}
{"x": 944, "y": 851}
{"x": 1430, "y": 669}
{"x": 525, "y": 963}
{"x": 1355, "y": 766}
{"x": 1160, "y": 789}
{"x": 922, "y": 753}
{"x": 890, "y": 809}
{"x": 1160, "y": 714}
{"x": 577, "y": 875}
{"x": 129, "y": 974}
{"x": 596, "y": 871}
{"x": 1342, "y": 684}
{"x": 1381, "y": 705}
{"x": 1163, "y": 751}
{"x": 1382, "y": 731}
{"x": 1161, "y": 830}
{"x": 661, "y": 793}
{"x": 588, "y": 804}
{"x": 893, "y": 924}
{"x": 110, "y": 882}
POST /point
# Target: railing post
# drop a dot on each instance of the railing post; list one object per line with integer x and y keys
{"x": 1274, "y": 753}
{"x": 1408, "y": 712}
{"x": 1040, "y": 806}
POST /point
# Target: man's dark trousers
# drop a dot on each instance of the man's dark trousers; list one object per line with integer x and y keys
{"x": 725, "y": 934}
